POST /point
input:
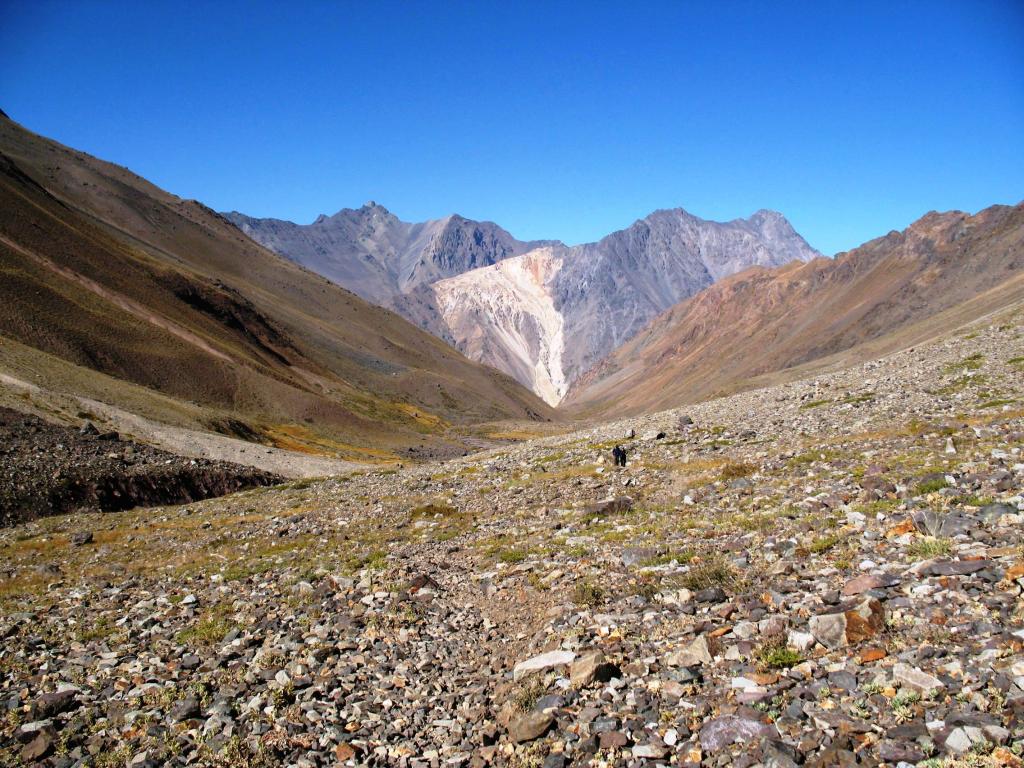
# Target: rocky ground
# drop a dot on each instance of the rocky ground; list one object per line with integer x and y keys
{"x": 47, "y": 469}
{"x": 824, "y": 573}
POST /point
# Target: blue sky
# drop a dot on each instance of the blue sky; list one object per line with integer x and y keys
{"x": 563, "y": 120}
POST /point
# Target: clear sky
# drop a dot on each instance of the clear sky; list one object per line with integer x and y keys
{"x": 557, "y": 120}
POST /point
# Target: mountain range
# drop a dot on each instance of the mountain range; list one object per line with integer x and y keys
{"x": 512, "y": 304}
{"x": 113, "y": 289}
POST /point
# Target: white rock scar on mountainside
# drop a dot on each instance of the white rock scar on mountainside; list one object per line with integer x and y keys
{"x": 532, "y": 274}
{"x": 514, "y": 299}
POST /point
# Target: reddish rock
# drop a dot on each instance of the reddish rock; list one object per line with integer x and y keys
{"x": 862, "y": 584}
{"x": 901, "y": 529}
{"x": 864, "y": 621}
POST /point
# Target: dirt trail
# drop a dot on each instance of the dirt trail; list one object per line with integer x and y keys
{"x": 197, "y": 444}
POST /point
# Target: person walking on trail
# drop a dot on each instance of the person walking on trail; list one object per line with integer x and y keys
{"x": 619, "y": 454}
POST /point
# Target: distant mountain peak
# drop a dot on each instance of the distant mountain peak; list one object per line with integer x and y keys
{"x": 767, "y": 214}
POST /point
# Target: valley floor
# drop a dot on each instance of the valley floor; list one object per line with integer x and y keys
{"x": 827, "y": 572}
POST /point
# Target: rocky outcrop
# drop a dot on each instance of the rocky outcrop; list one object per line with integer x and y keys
{"x": 505, "y": 316}
{"x": 47, "y": 469}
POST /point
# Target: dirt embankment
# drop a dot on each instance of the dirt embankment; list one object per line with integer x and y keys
{"x": 47, "y": 469}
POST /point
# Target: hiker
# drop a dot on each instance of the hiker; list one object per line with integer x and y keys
{"x": 619, "y": 454}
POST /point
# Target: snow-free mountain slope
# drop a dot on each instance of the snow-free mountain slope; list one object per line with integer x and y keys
{"x": 942, "y": 271}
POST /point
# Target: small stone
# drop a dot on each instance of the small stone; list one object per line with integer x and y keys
{"x": 344, "y": 752}
{"x": 956, "y": 567}
{"x": 869, "y": 655}
{"x": 52, "y": 704}
{"x": 864, "y": 620}
{"x": 722, "y": 731}
{"x": 865, "y": 583}
{"x": 38, "y": 748}
{"x": 801, "y": 641}
{"x": 81, "y": 538}
{"x": 916, "y": 678}
{"x": 958, "y": 741}
{"x": 186, "y": 709}
{"x": 529, "y": 726}
{"x": 653, "y": 751}
{"x": 612, "y": 740}
{"x": 829, "y": 629}
{"x": 710, "y": 595}
{"x": 614, "y": 506}
{"x": 697, "y": 652}
{"x": 591, "y": 666}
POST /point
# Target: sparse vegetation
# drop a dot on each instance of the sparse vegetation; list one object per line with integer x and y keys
{"x": 928, "y": 547}
{"x": 714, "y": 572}
{"x": 997, "y": 402}
{"x": 778, "y": 657}
{"x": 529, "y": 693}
{"x": 512, "y": 556}
{"x": 823, "y": 544}
{"x": 588, "y": 594}
{"x": 734, "y": 470}
{"x": 969, "y": 363}
{"x": 209, "y": 630}
{"x": 814, "y": 404}
{"x": 931, "y": 485}
{"x": 681, "y": 556}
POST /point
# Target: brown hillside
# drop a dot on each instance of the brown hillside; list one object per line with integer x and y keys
{"x": 943, "y": 271}
{"x": 104, "y": 270}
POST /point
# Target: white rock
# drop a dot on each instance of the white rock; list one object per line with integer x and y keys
{"x": 801, "y": 641}
{"x": 958, "y": 741}
{"x": 543, "y": 661}
{"x": 744, "y": 630}
{"x": 915, "y": 678}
